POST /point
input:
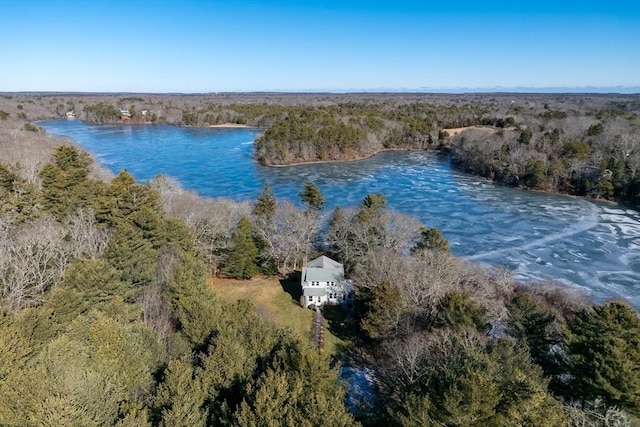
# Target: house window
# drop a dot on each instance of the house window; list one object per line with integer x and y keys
{"x": 310, "y": 298}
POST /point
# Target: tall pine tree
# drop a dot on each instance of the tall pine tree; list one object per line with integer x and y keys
{"x": 241, "y": 262}
{"x": 604, "y": 346}
{"x": 266, "y": 203}
{"x": 312, "y": 197}
{"x": 65, "y": 182}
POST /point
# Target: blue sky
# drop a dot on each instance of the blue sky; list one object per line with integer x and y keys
{"x": 208, "y": 46}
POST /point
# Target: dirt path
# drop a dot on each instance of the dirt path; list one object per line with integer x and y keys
{"x": 317, "y": 331}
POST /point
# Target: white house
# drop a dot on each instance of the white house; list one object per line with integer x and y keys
{"x": 323, "y": 282}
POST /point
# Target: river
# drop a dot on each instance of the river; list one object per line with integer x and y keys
{"x": 595, "y": 246}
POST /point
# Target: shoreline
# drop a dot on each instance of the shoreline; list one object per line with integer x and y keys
{"x": 452, "y": 131}
{"x": 357, "y": 159}
{"x": 546, "y": 192}
{"x": 133, "y": 123}
{"x": 440, "y": 150}
{"x": 230, "y": 125}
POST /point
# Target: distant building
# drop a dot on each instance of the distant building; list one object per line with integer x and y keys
{"x": 323, "y": 282}
{"x": 125, "y": 114}
{"x": 71, "y": 115}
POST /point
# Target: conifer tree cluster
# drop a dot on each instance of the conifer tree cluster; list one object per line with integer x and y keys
{"x": 122, "y": 328}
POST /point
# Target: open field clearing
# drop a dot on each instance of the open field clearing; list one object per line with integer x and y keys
{"x": 273, "y": 302}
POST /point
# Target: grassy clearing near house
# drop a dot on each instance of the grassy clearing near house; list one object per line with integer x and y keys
{"x": 275, "y": 304}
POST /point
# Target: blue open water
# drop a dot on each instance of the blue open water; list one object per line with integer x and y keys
{"x": 595, "y": 246}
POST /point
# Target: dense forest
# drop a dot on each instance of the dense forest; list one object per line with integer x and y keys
{"x": 586, "y": 145}
{"x": 107, "y": 316}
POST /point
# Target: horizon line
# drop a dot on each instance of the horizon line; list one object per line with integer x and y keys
{"x": 603, "y": 90}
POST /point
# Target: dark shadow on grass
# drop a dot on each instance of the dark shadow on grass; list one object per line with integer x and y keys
{"x": 291, "y": 285}
{"x": 340, "y": 323}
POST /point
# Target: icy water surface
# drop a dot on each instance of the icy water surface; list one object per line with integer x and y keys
{"x": 592, "y": 245}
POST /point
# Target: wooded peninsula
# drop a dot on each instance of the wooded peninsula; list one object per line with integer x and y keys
{"x": 108, "y": 315}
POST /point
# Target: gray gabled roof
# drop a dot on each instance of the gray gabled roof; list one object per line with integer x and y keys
{"x": 314, "y": 292}
{"x": 323, "y": 269}
{"x": 322, "y": 274}
{"x": 323, "y": 262}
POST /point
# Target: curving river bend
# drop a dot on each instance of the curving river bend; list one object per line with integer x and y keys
{"x": 582, "y": 243}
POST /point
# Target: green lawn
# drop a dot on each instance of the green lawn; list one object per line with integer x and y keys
{"x": 277, "y": 301}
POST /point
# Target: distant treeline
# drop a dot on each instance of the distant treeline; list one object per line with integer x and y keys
{"x": 587, "y": 145}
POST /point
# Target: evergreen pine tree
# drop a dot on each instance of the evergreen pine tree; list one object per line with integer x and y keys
{"x": 241, "y": 262}
{"x": 266, "y": 203}
{"x": 132, "y": 255}
{"x": 431, "y": 239}
{"x": 604, "y": 346}
{"x": 536, "y": 327}
{"x": 312, "y": 197}
{"x": 458, "y": 310}
{"x": 123, "y": 197}
{"x": 370, "y": 206}
{"x": 65, "y": 182}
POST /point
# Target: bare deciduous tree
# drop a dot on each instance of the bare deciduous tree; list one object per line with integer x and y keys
{"x": 31, "y": 260}
{"x": 405, "y": 360}
{"x": 155, "y": 312}
{"x": 491, "y": 288}
{"x": 212, "y": 221}
{"x": 289, "y": 234}
{"x": 353, "y": 239}
{"x": 430, "y": 276}
{"x": 423, "y": 279}
{"x": 604, "y": 417}
{"x": 87, "y": 239}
